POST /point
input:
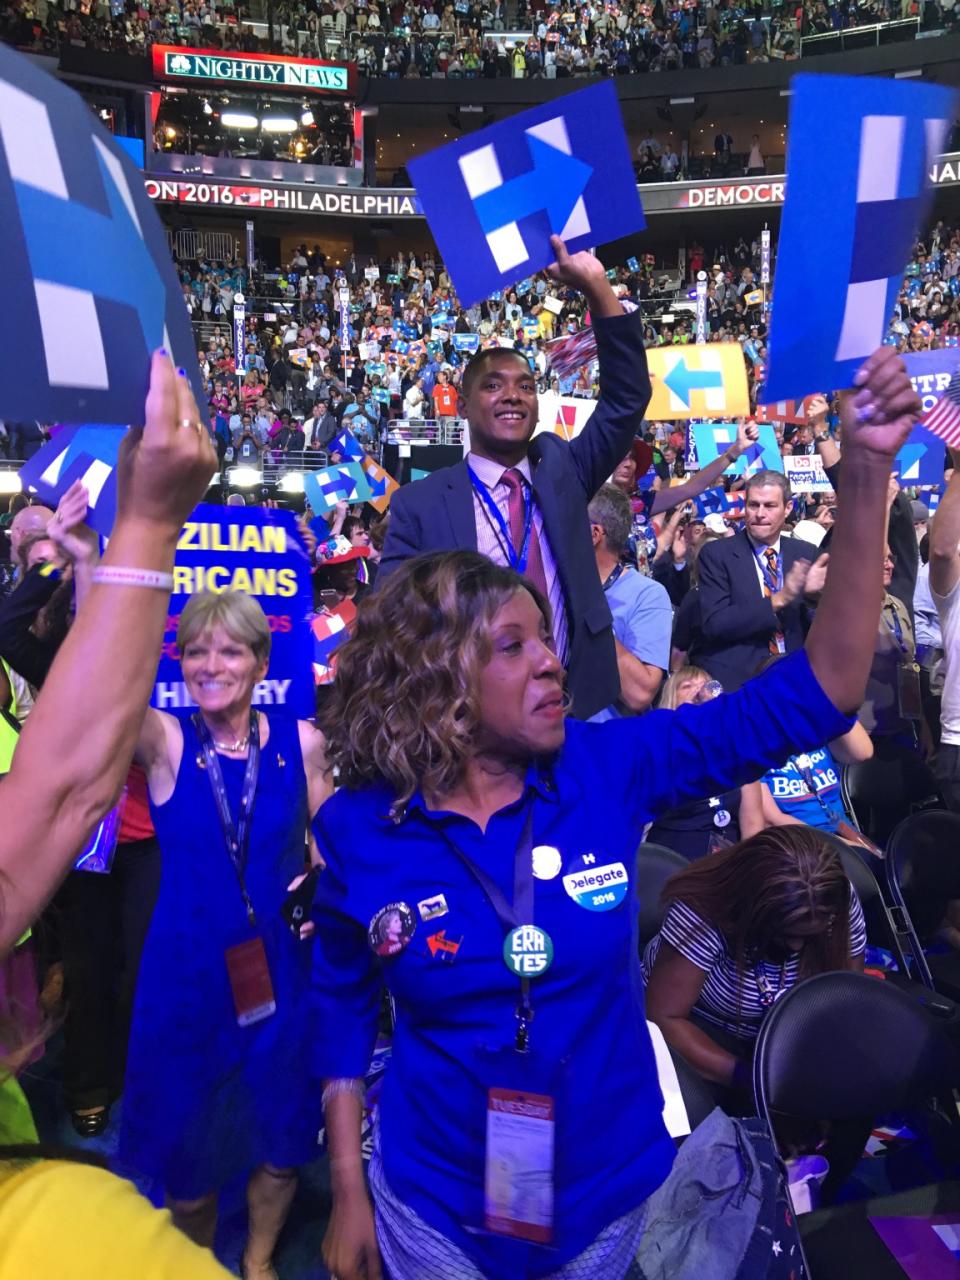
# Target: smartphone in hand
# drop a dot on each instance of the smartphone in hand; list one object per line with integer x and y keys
{"x": 296, "y": 906}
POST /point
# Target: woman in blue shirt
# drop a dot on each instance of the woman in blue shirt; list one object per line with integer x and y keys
{"x": 480, "y": 864}
{"x": 806, "y": 786}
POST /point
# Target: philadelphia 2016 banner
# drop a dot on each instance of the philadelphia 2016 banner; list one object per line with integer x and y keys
{"x": 259, "y": 552}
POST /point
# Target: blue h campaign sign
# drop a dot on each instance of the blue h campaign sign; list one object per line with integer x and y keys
{"x": 260, "y": 553}
{"x": 85, "y": 453}
{"x": 493, "y": 199}
{"x": 713, "y": 438}
{"x": 853, "y": 231}
{"x": 920, "y": 461}
{"x": 930, "y": 372}
{"x": 84, "y": 261}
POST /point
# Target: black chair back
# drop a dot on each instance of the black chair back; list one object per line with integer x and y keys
{"x": 843, "y": 1046}
{"x": 923, "y": 866}
{"x": 655, "y": 865}
{"x": 878, "y": 792}
{"x": 881, "y": 930}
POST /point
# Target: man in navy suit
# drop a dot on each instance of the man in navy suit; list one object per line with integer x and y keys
{"x": 752, "y": 586}
{"x": 523, "y": 502}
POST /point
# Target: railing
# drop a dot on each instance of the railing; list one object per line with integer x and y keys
{"x": 860, "y": 37}
{"x": 188, "y": 245}
{"x": 415, "y": 431}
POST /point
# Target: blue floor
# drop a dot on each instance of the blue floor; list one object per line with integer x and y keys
{"x": 298, "y": 1251}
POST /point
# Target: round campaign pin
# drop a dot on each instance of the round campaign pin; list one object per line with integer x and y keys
{"x": 528, "y": 951}
{"x": 546, "y": 861}
{"x": 391, "y": 929}
{"x": 596, "y": 885}
{"x": 721, "y": 818}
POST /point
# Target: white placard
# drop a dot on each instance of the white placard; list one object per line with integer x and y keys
{"x": 806, "y": 474}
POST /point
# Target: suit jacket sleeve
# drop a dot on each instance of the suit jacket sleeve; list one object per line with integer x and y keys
{"x": 724, "y": 618}
{"x": 404, "y": 538}
{"x": 624, "y": 394}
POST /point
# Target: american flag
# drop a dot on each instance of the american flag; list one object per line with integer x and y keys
{"x": 943, "y": 420}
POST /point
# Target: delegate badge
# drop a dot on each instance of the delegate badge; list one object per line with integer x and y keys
{"x": 528, "y": 951}
{"x": 391, "y": 929}
{"x": 597, "y": 888}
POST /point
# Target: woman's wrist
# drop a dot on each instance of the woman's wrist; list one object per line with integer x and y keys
{"x": 146, "y": 544}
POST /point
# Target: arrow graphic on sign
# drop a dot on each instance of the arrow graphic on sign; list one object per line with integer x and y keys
{"x": 438, "y": 942}
{"x": 64, "y": 242}
{"x": 554, "y": 185}
{"x": 682, "y": 380}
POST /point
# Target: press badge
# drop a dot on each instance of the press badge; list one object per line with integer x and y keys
{"x": 519, "y": 1168}
{"x": 250, "y": 981}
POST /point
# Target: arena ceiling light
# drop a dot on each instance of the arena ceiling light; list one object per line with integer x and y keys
{"x": 238, "y": 120}
{"x": 244, "y": 477}
{"x": 279, "y": 124}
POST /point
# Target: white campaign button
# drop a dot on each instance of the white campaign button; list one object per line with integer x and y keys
{"x": 546, "y": 861}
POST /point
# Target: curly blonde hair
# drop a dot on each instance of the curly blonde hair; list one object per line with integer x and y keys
{"x": 404, "y": 706}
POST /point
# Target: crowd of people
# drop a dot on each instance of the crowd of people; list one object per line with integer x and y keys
{"x": 410, "y": 340}
{"x": 546, "y": 622}
{"x": 462, "y": 39}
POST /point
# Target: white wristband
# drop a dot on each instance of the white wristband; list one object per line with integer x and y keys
{"x": 115, "y": 575}
{"x": 343, "y": 1085}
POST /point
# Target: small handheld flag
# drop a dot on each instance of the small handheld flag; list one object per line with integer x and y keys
{"x": 944, "y": 418}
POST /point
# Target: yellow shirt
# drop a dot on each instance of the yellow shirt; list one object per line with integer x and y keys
{"x": 80, "y": 1223}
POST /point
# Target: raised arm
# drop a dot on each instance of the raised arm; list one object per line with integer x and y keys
{"x": 708, "y": 475}
{"x": 75, "y": 750}
{"x": 877, "y": 419}
{"x": 945, "y": 536}
{"x": 624, "y": 380}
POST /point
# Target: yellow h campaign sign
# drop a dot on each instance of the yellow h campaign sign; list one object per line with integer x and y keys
{"x": 707, "y": 381}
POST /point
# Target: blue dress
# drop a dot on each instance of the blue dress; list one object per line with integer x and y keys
{"x": 205, "y": 1098}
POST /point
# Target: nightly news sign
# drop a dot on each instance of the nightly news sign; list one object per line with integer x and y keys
{"x": 269, "y": 70}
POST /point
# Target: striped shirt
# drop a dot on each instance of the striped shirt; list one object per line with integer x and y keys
{"x": 490, "y": 539}
{"x": 723, "y": 1001}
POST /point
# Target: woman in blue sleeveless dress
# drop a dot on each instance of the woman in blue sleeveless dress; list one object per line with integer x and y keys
{"x": 218, "y": 1079}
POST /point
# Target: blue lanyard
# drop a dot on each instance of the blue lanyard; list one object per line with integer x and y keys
{"x": 510, "y": 914}
{"x": 235, "y": 834}
{"x": 517, "y": 562}
{"x": 895, "y": 627}
{"x": 777, "y": 583}
{"x": 806, "y": 773}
